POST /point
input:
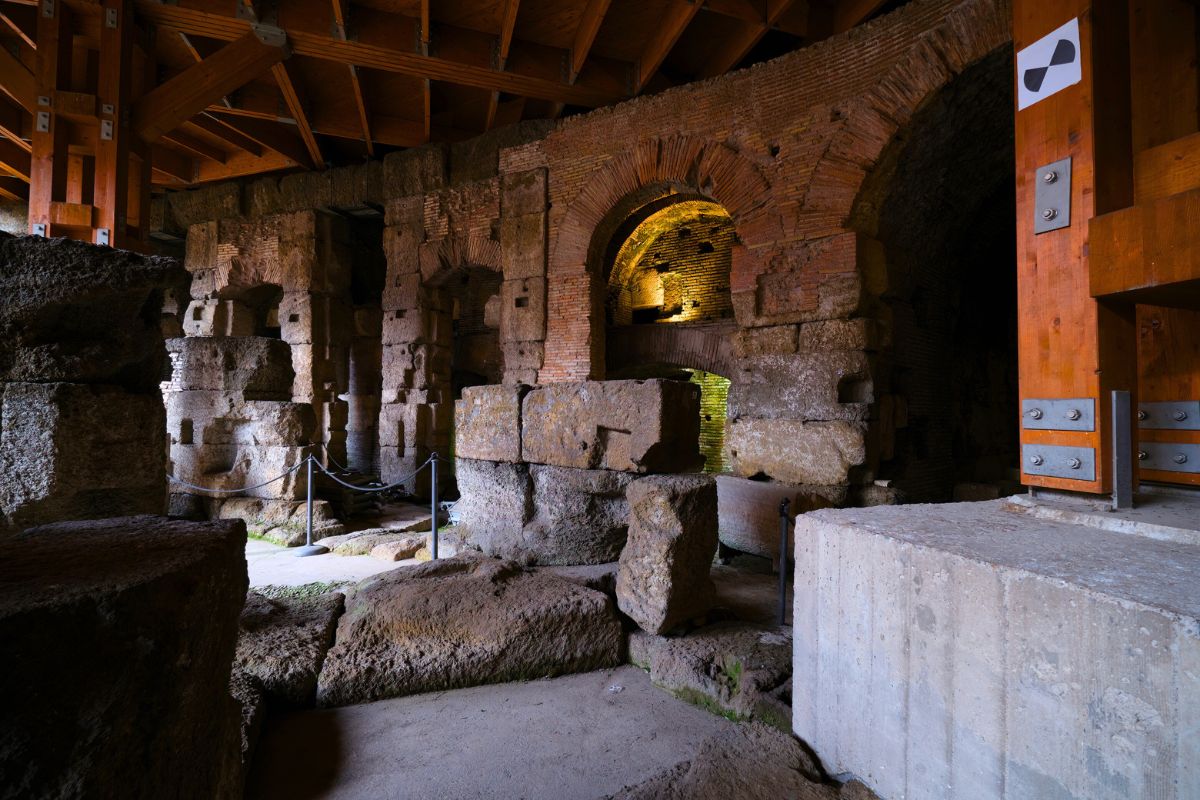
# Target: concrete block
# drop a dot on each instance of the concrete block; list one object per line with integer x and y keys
{"x": 995, "y": 655}
{"x": 748, "y": 513}
{"x": 523, "y": 192}
{"x": 631, "y": 426}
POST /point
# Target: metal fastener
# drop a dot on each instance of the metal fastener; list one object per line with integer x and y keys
{"x": 1049, "y": 214}
{"x": 1050, "y": 177}
{"x": 1074, "y": 463}
{"x": 1074, "y": 414}
{"x": 1180, "y": 458}
{"x": 1180, "y": 415}
{"x": 1143, "y": 414}
{"x": 1143, "y": 455}
{"x": 1035, "y": 413}
{"x": 1037, "y": 461}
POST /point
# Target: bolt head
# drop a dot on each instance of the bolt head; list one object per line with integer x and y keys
{"x": 1074, "y": 463}
{"x": 1143, "y": 455}
{"x": 1049, "y": 213}
{"x": 1035, "y": 413}
{"x": 1180, "y": 458}
{"x": 1180, "y": 415}
{"x": 1143, "y": 415}
{"x": 1050, "y": 176}
{"x": 1073, "y": 414}
{"x": 1037, "y": 461}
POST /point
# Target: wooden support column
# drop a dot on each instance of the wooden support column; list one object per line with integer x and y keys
{"x": 51, "y": 131}
{"x": 113, "y": 167}
{"x": 1073, "y": 346}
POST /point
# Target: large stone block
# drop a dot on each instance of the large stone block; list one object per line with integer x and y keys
{"x": 748, "y": 513}
{"x": 118, "y": 639}
{"x": 463, "y": 622}
{"x": 816, "y": 386}
{"x": 581, "y": 516}
{"x": 496, "y": 502}
{"x": 523, "y": 245}
{"x": 282, "y": 643}
{"x": 663, "y": 579}
{"x": 523, "y": 310}
{"x": 487, "y": 423}
{"x": 254, "y": 367}
{"x": 80, "y": 313}
{"x": 791, "y": 451}
{"x": 233, "y": 466}
{"x": 963, "y": 651}
{"x": 219, "y": 418}
{"x": 632, "y": 426}
{"x": 77, "y": 451}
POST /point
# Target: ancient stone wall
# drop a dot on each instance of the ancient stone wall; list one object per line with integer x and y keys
{"x": 783, "y": 148}
{"x": 81, "y": 355}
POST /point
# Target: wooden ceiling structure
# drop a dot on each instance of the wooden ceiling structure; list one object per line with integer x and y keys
{"x": 104, "y": 101}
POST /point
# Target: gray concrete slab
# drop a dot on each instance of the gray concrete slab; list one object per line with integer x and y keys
{"x": 568, "y": 738}
{"x": 272, "y": 565}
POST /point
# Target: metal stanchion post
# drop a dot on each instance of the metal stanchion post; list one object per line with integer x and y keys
{"x": 784, "y": 509}
{"x": 310, "y": 549}
{"x": 433, "y": 509}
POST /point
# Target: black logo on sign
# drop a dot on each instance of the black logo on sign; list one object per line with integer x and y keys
{"x": 1064, "y": 53}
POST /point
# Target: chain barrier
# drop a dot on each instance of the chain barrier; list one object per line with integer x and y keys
{"x": 310, "y": 549}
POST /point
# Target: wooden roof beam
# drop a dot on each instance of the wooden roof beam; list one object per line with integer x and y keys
{"x": 672, "y": 26}
{"x": 386, "y": 58}
{"x": 426, "y": 84}
{"x": 585, "y": 34}
{"x": 340, "y": 25}
{"x": 15, "y": 160}
{"x": 22, "y": 21}
{"x": 295, "y": 104}
{"x": 17, "y": 81}
{"x": 271, "y": 137}
{"x": 170, "y": 104}
{"x": 226, "y": 133}
{"x": 14, "y": 189}
{"x": 12, "y": 124}
{"x": 507, "y": 24}
{"x": 170, "y": 162}
{"x": 737, "y": 45}
{"x": 195, "y": 146}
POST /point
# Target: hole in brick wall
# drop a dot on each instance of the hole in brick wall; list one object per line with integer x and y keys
{"x": 185, "y": 431}
{"x": 521, "y": 302}
{"x": 399, "y": 314}
{"x": 706, "y": 247}
{"x": 854, "y": 389}
{"x": 198, "y": 313}
{"x": 773, "y": 150}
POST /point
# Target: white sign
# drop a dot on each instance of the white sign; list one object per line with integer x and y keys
{"x": 1049, "y": 65}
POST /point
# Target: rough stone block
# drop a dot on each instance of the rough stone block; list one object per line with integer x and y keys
{"x": 81, "y": 313}
{"x": 748, "y": 513}
{"x": 792, "y": 451}
{"x": 118, "y": 638}
{"x": 282, "y": 644}
{"x": 217, "y": 418}
{"x": 663, "y": 579}
{"x": 1034, "y": 658}
{"x": 487, "y": 423}
{"x": 496, "y": 502}
{"x": 632, "y": 426}
{"x": 76, "y": 451}
{"x": 464, "y": 622}
{"x": 819, "y": 386}
{"x": 236, "y": 465}
{"x": 523, "y": 356}
{"x": 523, "y": 192}
{"x": 778, "y": 339}
{"x": 253, "y": 367}
{"x": 523, "y": 245}
{"x": 581, "y": 516}
{"x": 523, "y": 310}
{"x": 839, "y": 334}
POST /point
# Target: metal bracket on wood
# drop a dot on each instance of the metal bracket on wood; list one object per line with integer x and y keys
{"x": 1059, "y": 461}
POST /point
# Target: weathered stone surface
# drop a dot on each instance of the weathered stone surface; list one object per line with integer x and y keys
{"x": 487, "y": 423}
{"x": 364, "y": 542}
{"x": 252, "y": 367}
{"x": 664, "y": 578}
{"x": 600, "y": 577}
{"x": 399, "y": 549}
{"x": 749, "y": 762}
{"x": 118, "y": 639}
{"x": 818, "y": 386}
{"x": 839, "y": 334}
{"x": 462, "y": 622}
{"x": 632, "y": 426}
{"x": 819, "y": 453}
{"x": 221, "y": 418}
{"x": 80, "y": 313}
{"x": 731, "y": 667}
{"x": 78, "y": 451}
{"x": 282, "y": 644}
{"x": 581, "y": 516}
{"x": 281, "y": 521}
{"x": 247, "y": 693}
{"x": 237, "y": 466}
{"x": 748, "y": 513}
{"x": 497, "y": 501}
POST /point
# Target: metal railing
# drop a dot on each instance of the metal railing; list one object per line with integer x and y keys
{"x": 310, "y": 549}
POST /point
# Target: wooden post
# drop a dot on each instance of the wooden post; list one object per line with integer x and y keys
{"x": 1072, "y": 346}
{"x": 48, "y": 169}
{"x": 112, "y": 143}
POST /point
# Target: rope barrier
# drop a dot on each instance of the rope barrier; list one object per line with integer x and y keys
{"x": 182, "y": 482}
{"x": 387, "y": 488}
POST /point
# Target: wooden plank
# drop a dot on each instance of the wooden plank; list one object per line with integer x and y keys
{"x": 1168, "y": 354}
{"x": 17, "y": 81}
{"x": 296, "y": 106}
{"x": 48, "y": 167}
{"x": 196, "y": 147}
{"x": 737, "y": 44}
{"x": 169, "y": 104}
{"x": 585, "y": 34}
{"x": 1168, "y": 169}
{"x": 674, "y": 22}
{"x": 1164, "y": 83}
{"x": 173, "y": 163}
{"x": 271, "y": 136}
{"x": 71, "y": 215}
{"x": 14, "y": 189}
{"x": 16, "y": 160}
{"x": 385, "y": 58}
{"x": 1070, "y": 345}
{"x": 504, "y": 43}
{"x": 226, "y": 133}
{"x": 1147, "y": 246}
{"x": 340, "y": 27}
{"x": 22, "y": 21}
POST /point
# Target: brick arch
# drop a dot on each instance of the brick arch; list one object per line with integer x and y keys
{"x": 653, "y": 167}
{"x": 460, "y": 250}
{"x": 704, "y": 347}
{"x": 966, "y": 35}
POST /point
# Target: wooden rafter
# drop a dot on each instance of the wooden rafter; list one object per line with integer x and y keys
{"x": 173, "y": 163}
{"x": 585, "y": 34}
{"x": 14, "y": 160}
{"x": 426, "y": 83}
{"x": 737, "y": 45}
{"x": 17, "y": 81}
{"x": 295, "y": 104}
{"x": 171, "y": 103}
{"x": 12, "y": 121}
{"x": 384, "y": 58}
{"x": 14, "y": 189}
{"x": 196, "y": 147}
{"x": 673, "y": 24}
{"x": 340, "y": 27}
{"x": 226, "y": 133}
{"x": 22, "y": 21}
{"x": 507, "y": 25}
{"x": 196, "y": 55}
{"x": 271, "y": 136}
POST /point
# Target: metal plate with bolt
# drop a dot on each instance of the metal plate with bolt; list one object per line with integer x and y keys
{"x": 1179, "y": 416}
{"x": 1072, "y": 414}
{"x": 1058, "y": 461}
{"x": 1052, "y": 209}
{"x": 1169, "y": 456}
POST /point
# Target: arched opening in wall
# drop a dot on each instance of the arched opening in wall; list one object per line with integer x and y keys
{"x": 365, "y": 374}
{"x": 668, "y": 309}
{"x": 941, "y": 202}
